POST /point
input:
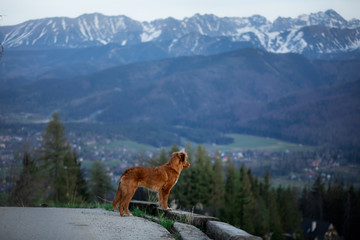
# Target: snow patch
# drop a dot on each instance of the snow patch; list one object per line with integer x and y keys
{"x": 195, "y": 45}
{"x": 96, "y": 21}
{"x": 149, "y": 33}
{"x": 246, "y": 37}
{"x": 63, "y": 24}
{"x": 200, "y": 29}
{"x": 172, "y": 44}
{"x": 102, "y": 41}
{"x": 294, "y": 43}
{"x": 147, "y": 37}
{"x": 260, "y": 35}
{"x": 40, "y": 36}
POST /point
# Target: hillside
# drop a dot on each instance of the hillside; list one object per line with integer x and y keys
{"x": 202, "y": 97}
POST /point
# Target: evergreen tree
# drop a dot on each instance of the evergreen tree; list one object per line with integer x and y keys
{"x": 203, "y": 178}
{"x": 184, "y": 190}
{"x": 218, "y": 194}
{"x": 161, "y": 159}
{"x": 260, "y": 216}
{"x": 246, "y": 203}
{"x": 303, "y": 202}
{"x": 76, "y": 189}
{"x": 334, "y": 202}
{"x": 231, "y": 192}
{"x": 273, "y": 226}
{"x": 174, "y": 148}
{"x": 289, "y": 213}
{"x": 53, "y": 149}
{"x": 352, "y": 214}
{"x": 61, "y": 174}
{"x": 274, "y": 217}
{"x": 100, "y": 182}
{"x": 26, "y": 191}
{"x": 81, "y": 185}
{"x": 317, "y": 199}
{"x": 265, "y": 190}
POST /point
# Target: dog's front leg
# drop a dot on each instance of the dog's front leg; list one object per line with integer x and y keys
{"x": 163, "y": 199}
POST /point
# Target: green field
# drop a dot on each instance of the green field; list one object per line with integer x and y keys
{"x": 244, "y": 142}
{"x": 241, "y": 142}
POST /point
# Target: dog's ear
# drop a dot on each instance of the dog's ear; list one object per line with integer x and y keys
{"x": 181, "y": 156}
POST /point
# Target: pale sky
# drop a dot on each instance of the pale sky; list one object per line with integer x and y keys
{"x": 17, "y": 11}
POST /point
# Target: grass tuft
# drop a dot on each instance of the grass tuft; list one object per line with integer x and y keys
{"x": 165, "y": 222}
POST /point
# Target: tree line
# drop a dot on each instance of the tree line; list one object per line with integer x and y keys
{"x": 212, "y": 186}
{"x": 52, "y": 174}
{"x": 235, "y": 196}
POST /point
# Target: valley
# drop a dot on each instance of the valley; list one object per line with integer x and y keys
{"x": 279, "y": 95}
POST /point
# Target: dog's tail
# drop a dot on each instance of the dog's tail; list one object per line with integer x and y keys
{"x": 117, "y": 197}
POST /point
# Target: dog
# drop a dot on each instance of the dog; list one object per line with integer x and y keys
{"x": 160, "y": 179}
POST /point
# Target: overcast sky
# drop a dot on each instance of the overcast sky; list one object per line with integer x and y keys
{"x": 17, "y": 11}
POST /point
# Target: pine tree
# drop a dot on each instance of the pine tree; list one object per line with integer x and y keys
{"x": 184, "y": 190}
{"x": 231, "y": 183}
{"x": 52, "y": 153}
{"x": 317, "y": 197}
{"x": 203, "y": 178}
{"x": 76, "y": 188}
{"x": 274, "y": 222}
{"x": 274, "y": 217}
{"x": 334, "y": 202}
{"x": 159, "y": 160}
{"x": 260, "y": 216}
{"x": 288, "y": 210}
{"x": 218, "y": 194}
{"x": 100, "y": 182}
{"x": 61, "y": 173}
{"x": 26, "y": 191}
{"x": 174, "y": 148}
{"x": 246, "y": 203}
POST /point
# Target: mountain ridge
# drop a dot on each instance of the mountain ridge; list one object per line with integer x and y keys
{"x": 282, "y": 36}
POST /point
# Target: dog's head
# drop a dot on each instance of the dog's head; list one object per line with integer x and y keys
{"x": 181, "y": 158}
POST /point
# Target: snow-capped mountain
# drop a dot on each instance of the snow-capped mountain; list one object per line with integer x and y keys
{"x": 315, "y": 35}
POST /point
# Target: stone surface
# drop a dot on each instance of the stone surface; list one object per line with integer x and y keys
{"x": 224, "y": 231}
{"x": 191, "y": 218}
{"x": 189, "y": 232}
{"x": 65, "y": 223}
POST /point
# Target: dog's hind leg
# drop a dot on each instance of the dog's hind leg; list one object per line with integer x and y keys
{"x": 122, "y": 202}
{"x": 131, "y": 191}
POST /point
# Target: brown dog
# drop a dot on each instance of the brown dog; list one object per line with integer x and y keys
{"x": 160, "y": 179}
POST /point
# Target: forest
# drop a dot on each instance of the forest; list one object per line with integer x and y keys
{"x": 52, "y": 175}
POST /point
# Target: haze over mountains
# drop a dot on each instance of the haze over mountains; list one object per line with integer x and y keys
{"x": 200, "y": 77}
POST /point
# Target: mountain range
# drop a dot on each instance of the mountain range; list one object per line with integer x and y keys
{"x": 332, "y": 34}
{"x": 93, "y": 42}
{"x": 199, "y": 78}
